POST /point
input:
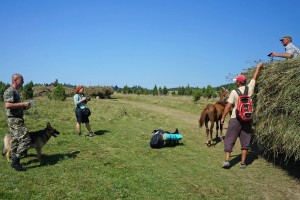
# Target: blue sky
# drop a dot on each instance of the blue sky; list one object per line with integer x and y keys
{"x": 140, "y": 42}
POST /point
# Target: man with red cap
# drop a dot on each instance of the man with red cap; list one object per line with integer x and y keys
{"x": 237, "y": 128}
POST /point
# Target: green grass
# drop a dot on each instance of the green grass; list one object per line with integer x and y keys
{"x": 119, "y": 164}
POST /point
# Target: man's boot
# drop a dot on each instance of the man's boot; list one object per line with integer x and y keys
{"x": 16, "y": 164}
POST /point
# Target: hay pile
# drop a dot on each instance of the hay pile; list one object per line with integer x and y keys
{"x": 39, "y": 91}
{"x": 277, "y": 109}
{"x": 102, "y": 92}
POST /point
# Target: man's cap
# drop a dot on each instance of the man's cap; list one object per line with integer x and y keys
{"x": 240, "y": 78}
{"x": 286, "y": 36}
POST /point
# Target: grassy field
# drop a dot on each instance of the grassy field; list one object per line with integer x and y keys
{"x": 119, "y": 164}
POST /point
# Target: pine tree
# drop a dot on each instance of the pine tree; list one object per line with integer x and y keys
{"x": 125, "y": 89}
{"x": 155, "y": 91}
{"x": 165, "y": 90}
{"x": 188, "y": 90}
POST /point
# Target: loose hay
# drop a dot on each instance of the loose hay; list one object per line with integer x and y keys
{"x": 277, "y": 109}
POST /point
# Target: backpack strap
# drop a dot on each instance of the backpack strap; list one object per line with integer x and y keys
{"x": 238, "y": 92}
{"x": 245, "y": 92}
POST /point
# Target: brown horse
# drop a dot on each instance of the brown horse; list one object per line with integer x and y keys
{"x": 213, "y": 113}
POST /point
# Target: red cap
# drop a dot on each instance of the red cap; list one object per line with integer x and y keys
{"x": 240, "y": 78}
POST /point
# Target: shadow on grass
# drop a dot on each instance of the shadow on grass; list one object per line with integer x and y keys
{"x": 101, "y": 132}
{"x": 236, "y": 159}
{"x": 291, "y": 166}
{"x": 252, "y": 155}
{"x": 50, "y": 159}
{"x": 173, "y": 144}
{"x": 217, "y": 140}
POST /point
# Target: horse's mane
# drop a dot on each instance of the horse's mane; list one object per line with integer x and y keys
{"x": 223, "y": 103}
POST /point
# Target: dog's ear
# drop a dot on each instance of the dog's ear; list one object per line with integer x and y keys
{"x": 48, "y": 125}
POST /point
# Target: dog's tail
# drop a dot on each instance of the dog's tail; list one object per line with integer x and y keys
{"x": 4, "y": 146}
{"x": 203, "y": 116}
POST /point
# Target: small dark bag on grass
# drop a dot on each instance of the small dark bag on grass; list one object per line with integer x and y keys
{"x": 157, "y": 140}
{"x": 86, "y": 111}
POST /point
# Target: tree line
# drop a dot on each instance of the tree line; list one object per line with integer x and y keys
{"x": 59, "y": 91}
{"x": 197, "y": 93}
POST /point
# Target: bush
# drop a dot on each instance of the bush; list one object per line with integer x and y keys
{"x": 197, "y": 95}
{"x": 27, "y": 91}
{"x": 3, "y": 87}
{"x": 58, "y": 93}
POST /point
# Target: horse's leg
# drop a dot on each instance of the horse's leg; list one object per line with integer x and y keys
{"x": 217, "y": 129}
{"x": 221, "y": 131}
{"x": 211, "y": 131}
{"x": 207, "y": 131}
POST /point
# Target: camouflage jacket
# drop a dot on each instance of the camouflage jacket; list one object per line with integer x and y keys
{"x": 12, "y": 95}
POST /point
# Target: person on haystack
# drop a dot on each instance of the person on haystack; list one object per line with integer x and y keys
{"x": 291, "y": 51}
{"x": 238, "y": 128}
{"x": 80, "y": 102}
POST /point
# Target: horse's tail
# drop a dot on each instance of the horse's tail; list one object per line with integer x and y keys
{"x": 5, "y": 144}
{"x": 203, "y": 116}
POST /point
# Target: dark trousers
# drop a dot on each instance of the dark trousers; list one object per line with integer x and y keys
{"x": 237, "y": 129}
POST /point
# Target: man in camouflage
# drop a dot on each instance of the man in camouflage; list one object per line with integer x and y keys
{"x": 20, "y": 141}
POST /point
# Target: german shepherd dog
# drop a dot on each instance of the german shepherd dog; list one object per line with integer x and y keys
{"x": 38, "y": 140}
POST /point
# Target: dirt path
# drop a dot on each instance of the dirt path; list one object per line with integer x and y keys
{"x": 187, "y": 117}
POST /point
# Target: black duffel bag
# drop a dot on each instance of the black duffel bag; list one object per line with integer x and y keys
{"x": 86, "y": 111}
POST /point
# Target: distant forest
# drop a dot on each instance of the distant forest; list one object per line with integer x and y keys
{"x": 197, "y": 93}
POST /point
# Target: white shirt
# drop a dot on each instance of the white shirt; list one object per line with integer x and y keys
{"x": 233, "y": 97}
{"x": 293, "y": 50}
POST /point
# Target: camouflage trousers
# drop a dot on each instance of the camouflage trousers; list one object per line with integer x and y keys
{"x": 20, "y": 139}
